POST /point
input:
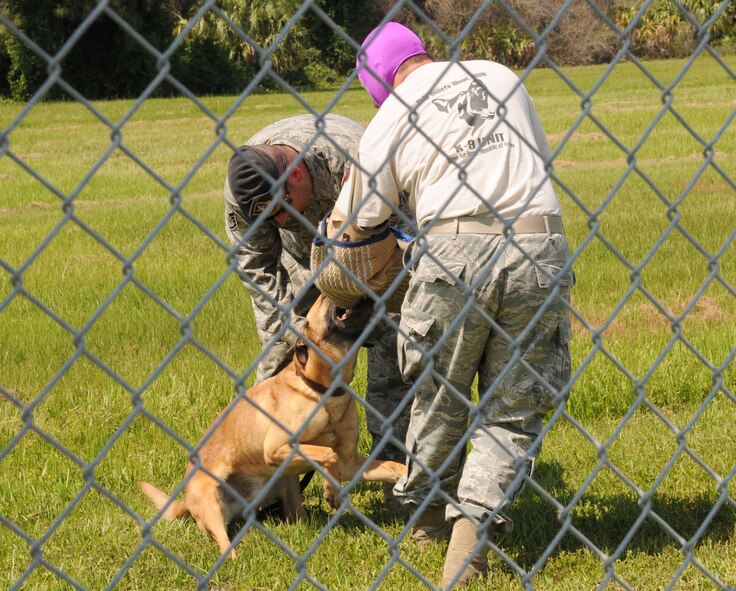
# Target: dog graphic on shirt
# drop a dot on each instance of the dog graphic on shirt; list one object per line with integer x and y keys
{"x": 473, "y": 104}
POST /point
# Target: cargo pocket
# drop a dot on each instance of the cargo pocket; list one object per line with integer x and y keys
{"x": 549, "y": 275}
{"x": 558, "y": 367}
{"x": 412, "y": 347}
{"x": 432, "y": 297}
{"x": 562, "y": 361}
{"x": 449, "y": 273}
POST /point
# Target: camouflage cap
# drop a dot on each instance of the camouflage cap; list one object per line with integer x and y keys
{"x": 251, "y": 178}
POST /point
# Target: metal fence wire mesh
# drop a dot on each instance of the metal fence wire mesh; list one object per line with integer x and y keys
{"x": 86, "y": 476}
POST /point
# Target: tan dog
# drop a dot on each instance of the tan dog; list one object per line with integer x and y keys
{"x": 244, "y": 447}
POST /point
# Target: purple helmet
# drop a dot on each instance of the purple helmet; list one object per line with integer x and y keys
{"x": 385, "y": 48}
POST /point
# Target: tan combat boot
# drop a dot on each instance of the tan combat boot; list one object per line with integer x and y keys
{"x": 465, "y": 545}
{"x": 431, "y": 526}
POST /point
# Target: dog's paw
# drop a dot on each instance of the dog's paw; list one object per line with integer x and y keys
{"x": 330, "y": 461}
{"x": 398, "y": 469}
{"x": 331, "y": 494}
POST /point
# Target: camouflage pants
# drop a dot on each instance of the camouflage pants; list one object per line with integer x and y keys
{"x": 386, "y": 392}
{"x": 478, "y": 306}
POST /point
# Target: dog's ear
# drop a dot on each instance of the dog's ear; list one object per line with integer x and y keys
{"x": 301, "y": 350}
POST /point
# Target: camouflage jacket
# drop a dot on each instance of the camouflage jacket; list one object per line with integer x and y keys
{"x": 273, "y": 260}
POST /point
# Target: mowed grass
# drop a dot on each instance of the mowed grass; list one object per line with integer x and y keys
{"x": 120, "y": 305}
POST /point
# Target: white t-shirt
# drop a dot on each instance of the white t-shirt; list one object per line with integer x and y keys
{"x": 460, "y": 139}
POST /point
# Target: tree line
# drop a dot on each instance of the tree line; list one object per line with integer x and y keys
{"x": 226, "y": 47}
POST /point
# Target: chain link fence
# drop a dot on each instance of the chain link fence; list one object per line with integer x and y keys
{"x": 687, "y": 570}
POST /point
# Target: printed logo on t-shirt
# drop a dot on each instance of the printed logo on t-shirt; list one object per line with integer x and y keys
{"x": 473, "y": 105}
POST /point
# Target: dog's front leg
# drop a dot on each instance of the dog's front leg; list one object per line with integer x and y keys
{"x": 324, "y": 456}
{"x": 380, "y": 470}
{"x": 352, "y": 462}
{"x": 298, "y": 464}
{"x": 292, "y": 499}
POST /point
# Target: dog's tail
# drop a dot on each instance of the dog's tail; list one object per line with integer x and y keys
{"x": 174, "y": 510}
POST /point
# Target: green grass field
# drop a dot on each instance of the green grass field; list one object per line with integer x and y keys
{"x": 635, "y": 484}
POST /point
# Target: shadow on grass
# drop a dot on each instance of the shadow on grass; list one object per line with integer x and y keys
{"x": 366, "y": 498}
{"x": 610, "y": 522}
{"x": 606, "y": 521}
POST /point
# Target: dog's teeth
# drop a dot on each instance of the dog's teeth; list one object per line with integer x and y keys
{"x": 344, "y": 313}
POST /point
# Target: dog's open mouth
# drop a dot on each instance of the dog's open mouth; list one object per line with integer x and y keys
{"x": 342, "y": 314}
{"x": 354, "y": 317}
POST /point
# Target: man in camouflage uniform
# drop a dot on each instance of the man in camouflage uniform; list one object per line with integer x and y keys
{"x": 275, "y": 197}
{"x": 490, "y": 281}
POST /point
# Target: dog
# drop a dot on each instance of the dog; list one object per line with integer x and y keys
{"x": 250, "y": 439}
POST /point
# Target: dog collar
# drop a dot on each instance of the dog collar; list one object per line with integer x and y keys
{"x": 316, "y": 386}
